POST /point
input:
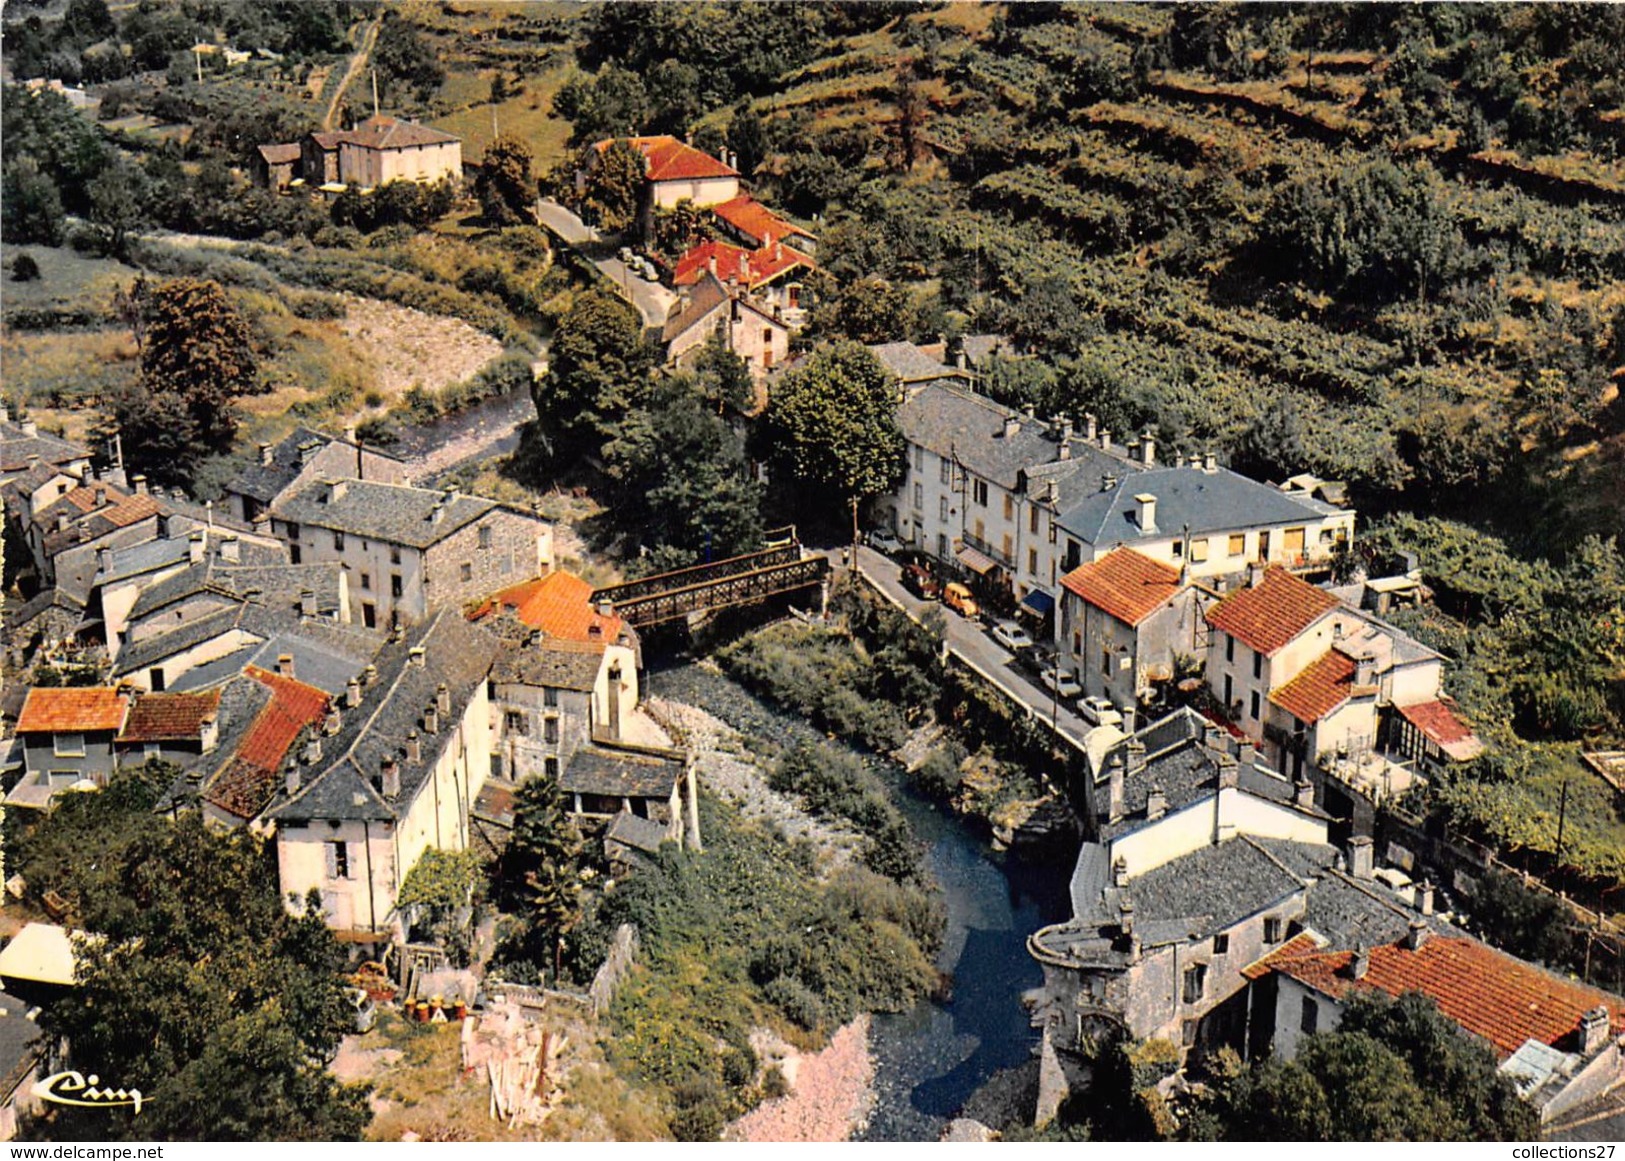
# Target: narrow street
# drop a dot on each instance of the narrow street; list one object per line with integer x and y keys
{"x": 653, "y": 301}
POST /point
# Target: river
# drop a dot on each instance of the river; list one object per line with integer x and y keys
{"x": 931, "y": 1058}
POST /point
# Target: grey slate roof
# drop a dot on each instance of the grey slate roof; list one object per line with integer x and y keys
{"x": 392, "y": 513}
{"x": 148, "y": 556}
{"x": 19, "y": 615}
{"x": 620, "y": 772}
{"x": 1217, "y": 886}
{"x": 328, "y": 669}
{"x": 141, "y": 654}
{"x": 707, "y": 295}
{"x": 905, "y": 361}
{"x": 276, "y": 583}
{"x": 258, "y": 621}
{"x": 212, "y": 673}
{"x": 1348, "y": 912}
{"x": 1187, "y": 499}
{"x": 455, "y": 652}
{"x": 641, "y": 834}
{"x": 555, "y": 666}
{"x": 16, "y": 447}
{"x": 265, "y": 482}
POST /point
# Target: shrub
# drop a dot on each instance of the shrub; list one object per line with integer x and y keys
{"x": 24, "y": 268}
{"x": 796, "y": 1000}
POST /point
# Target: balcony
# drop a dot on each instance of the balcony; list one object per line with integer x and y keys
{"x": 988, "y": 550}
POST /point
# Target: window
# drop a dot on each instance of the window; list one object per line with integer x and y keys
{"x": 467, "y": 571}
{"x": 550, "y": 696}
{"x": 394, "y": 554}
{"x": 338, "y": 542}
{"x": 1221, "y": 944}
{"x": 1032, "y": 519}
{"x": 1195, "y": 982}
{"x": 395, "y": 587}
{"x": 1106, "y": 662}
{"x": 1255, "y": 705}
{"x": 1199, "y": 550}
{"x": 1077, "y": 642}
{"x": 1238, "y": 543}
{"x": 1309, "y": 1018}
{"x": 68, "y": 745}
{"x": 978, "y": 492}
{"x": 1178, "y": 547}
{"x": 1272, "y": 929}
{"x": 1008, "y": 547}
{"x": 1229, "y": 648}
{"x": 155, "y": 678}
{"x": 942, "y": 542}
{"x": 919, "y": 459}
{"x": 485, "y": 536}
{"x": 293, "y": 554}
{"x": 919, "y": 496}
{"x": 550, "y": 767}
{"x": 944, "y": 472}
{"x": 942, "y": 509}
{"x": 1009, "y": 506}
{"x": 1258, "y": 664}
{"x": 369, "y": 615}
{"x": 550, "y": 731}
{"x": 1032, "y": 561}
{"x": 366, "y": 581}
{"x": 338, "y": 860}
{"x": 514, "y": 722}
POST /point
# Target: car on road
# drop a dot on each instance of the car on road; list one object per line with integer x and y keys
{"x": 918, "y": 580}
{"x": 1061, "y": 683}
{"x": 883, "y": 541}
{"x": 958, "y": 598}
{"x": 625, "y": 255}
{"x": 1039, "y": 659}
{"x": 650, "y": 272}
{"x": 1099, "y": 711}
{"x": 1012, "y": 636}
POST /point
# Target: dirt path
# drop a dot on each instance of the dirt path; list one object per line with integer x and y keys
{"x": 369, "y": 37}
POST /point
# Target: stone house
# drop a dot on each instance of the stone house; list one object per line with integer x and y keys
{"x": 772, "y": 277}
{"x": 22, "y": 1052}
{"x": 266, "y": 713}
{"x": 174, "y": 727}
{"x": 305, "y": 456}
{"x": 23, "y": 446}
{"x": 277, "y": 166}
{"x": 65, "y": 535}
{"x": 751, "y": 331}
{"x": 376, "y": 151}
{"x": 409, "y": 550}
{"x": 67, "y": 737}
{"x": 1125, "y": 619}
{"x": 389, "y": 778}
{"x": 606, "y": 781}
{"x": 675, "y": 172}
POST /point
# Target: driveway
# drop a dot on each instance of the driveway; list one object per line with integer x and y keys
{"x": 653, "y": 301}
{"x": 968, "y": 642}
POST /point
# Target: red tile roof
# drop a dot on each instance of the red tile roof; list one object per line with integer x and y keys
{"x": 754, "y": 268}
{"x": 1268, "y": 615}
{"x": 245, "y": 785}
{"x": 1439, "y": 722}
{"x": 560, "y": 605}
{"x": 81, "y": 710}
{"x": 393, "y": 133}
{"x": 670, "y": 160}
{"x": 1487, "y": 992}
{"x": 1127, "y": 585}
{"x": 1323, "y": 685}
{"x": 169, "y": 717}
{"x": 751, "y": 217}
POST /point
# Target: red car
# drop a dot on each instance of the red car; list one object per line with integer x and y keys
{"x": 918, "y": 580}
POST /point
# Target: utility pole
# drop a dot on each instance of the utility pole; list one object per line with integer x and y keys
{"x": 375, "y": 92}
{"x": 1562, "y": 817}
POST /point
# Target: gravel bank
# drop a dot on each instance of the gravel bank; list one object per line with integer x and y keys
{"x": 830, "y": 1097}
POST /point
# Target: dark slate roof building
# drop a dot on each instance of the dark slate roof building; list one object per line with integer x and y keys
{"x": 1194, "y": 500}
{"x": 392, "y": 513}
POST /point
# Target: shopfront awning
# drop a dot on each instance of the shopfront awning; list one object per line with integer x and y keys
{"x": 978, "y": 562}
{"x": 1038, "y": 602}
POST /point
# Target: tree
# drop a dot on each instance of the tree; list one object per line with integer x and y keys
{"x": 505, "y": 185}
{"x": 402, "y": 58}
{"x": 831, "y": 425}
{"x": 679, "y": 229}
{"x": 747, "y": 137}
{"x": 615, "y": 103}
{"x": 208, "y": 995}
{"x": 614, "y": 185}
{"x": 674, "y": 97}
{"x": 870, "y": 310}
{"x": 597, "y": 366}
{"x": 30, "y": 207}
{"x": 118, "y": 206}
{"x": 539, "y": 873}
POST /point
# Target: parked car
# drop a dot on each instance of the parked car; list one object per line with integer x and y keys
{"x": 651, "y": 272}
{"x": 1012, "y": 636}
{"x": 625, "y": 255}
{"x": 957, "y": 597}
{"x": 883, "y": 541}
{"x": 1038, "y": 660}
{"x": 1100, "y": 712}
{"x": 918, "y": 580}
{"x": 1061, "y": 683}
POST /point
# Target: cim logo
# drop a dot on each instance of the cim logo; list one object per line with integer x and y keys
{"x": 72, "y": 1088}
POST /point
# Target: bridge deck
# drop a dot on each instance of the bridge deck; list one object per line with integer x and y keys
{"x": 719, "y": 592}
{"x": 698, "y": 574}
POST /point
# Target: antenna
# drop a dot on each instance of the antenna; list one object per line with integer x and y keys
{"x": 375, "y": 92}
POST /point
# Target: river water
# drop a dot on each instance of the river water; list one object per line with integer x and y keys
{"x": 931, "y": 1058}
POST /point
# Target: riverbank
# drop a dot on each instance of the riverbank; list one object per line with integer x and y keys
{"x": 831, "y": 1091}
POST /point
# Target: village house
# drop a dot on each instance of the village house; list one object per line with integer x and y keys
{"x": 675, "y": 172}
{"x": 378, "y": 150}
{"x": 771, "y": 278}
{"x": 67, "y": 736}
{"x": 22, "y": 1052}
{"x": 23, "y": 446}
{"x": 747, "y": 222}
{"x": 264, "y": 714}
{"x": 641, "y": 796}
{"x": 749, "y": 330}
{"x": 278, "y": 166}
{"x": 411, "y": 550}
{"x": 1125, "y": 622}
{"x": 303, "y": 457}
{"x": 389, "y": 778}
{"x": 1316, "y": 682}
{"x": 173, "y": 727}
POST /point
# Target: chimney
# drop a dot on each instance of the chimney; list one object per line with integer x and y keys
{"x": 1210, "y": 463}
{"x": 1129, "y": 713}
{"x": 1229, "y": 772}
{"x": 416, "y": 655}
{"x": 438, "y": 512}
{"x": 1114, "y": 778}
{"x": 352, "y": 693}
{"x": 307, "y": 603}
{"x": 1365, "y": 672}
{"x": 1255, "y": 575}
{"x": 1125, "y": 917}
{"x": 1065, "y": 450}
{"x": 1012, "y": 425}
{"x": 1146, "y": 516}
{"x": 291, "y": 779}
{"x": 1212, "y": 736}
{"x": 389, "y": 777}
{"x": 231, "y": 551}
{"x": 1136, "y": 757}
{"x": 140, "y": 483}
{"x": 711, "y": 263}
{"x": 30, "y": 428}
{"x": 369, "y": 674}
{"x": 1424, "y": 897}
{"x": 1303, "y": 795}
{"x": 1361, "y": 856}
{"x": 284, "y": 664}
{"x": 1120, "y": 872}
{"x": 1134, "y": 449}
{"x": 431, "y": 719}
{"x": 333, "y": 722}
{"x": 262, "y": 524}
{"x": 1148, "y": 448}
{"x": 1593, "y": 1030}
{"x": 1246, "y": 755}
{"x": 308, "y": 450}
{"x": 101, "y": 495}
{"x": 336, "y": 490}
{"x": 1156, "y": 803}
{"x": 1107, "y": 483}
{"x": 313, "y": 749}
{"x": 265, "y": 455}
{"x": 1105, "y": 440}
{"x": 1417, "y": 935}
{"x": 5, "y": 413}
{"x": 442, "y": 698}
{"x": 1361, "y": 964}
{"x": 104, "y": 559}
{"x": 414, "y": 747}
{"x": 196, "y": 545}
{"x": 1090, "y": 424}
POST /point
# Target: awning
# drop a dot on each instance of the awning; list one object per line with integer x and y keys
{"x": 979, "y": 563}
{"x": 1040, "y": 602}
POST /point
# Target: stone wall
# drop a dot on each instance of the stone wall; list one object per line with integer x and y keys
{"x": 623, "y": 953}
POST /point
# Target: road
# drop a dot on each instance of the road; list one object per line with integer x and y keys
{"x": 652, "y": 300}
{"x": 369, "y": 37}
{"x": 970, "y": 643}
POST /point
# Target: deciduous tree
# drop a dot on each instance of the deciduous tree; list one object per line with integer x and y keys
{"x": 614, "y": 186}
{"x": 598, "y": 365}
{"x": 505, "y": 185}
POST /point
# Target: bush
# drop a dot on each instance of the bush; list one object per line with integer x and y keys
{"x": 24, "y": 268}
{"x": 796, "y": 1000}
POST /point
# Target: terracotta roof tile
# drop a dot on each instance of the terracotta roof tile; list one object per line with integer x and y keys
{"x": 1323, "y": 685}
{"x": 1439, "y": 722}
{"x": 1268, "y": 615}
{"x": 1487, "y": 992}
{"x": 248, "y": 780}
{"x": 79, "y": 710}
{"x": 393, "y": 133}
{"x": 1127, "y": 585}
{"x": 752, "y": 218}
{"x": 560, "y": 605}
{"x": 670, "y": 160}
{"x": 163, "y": 717}
{"x": 753, "y": 267}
